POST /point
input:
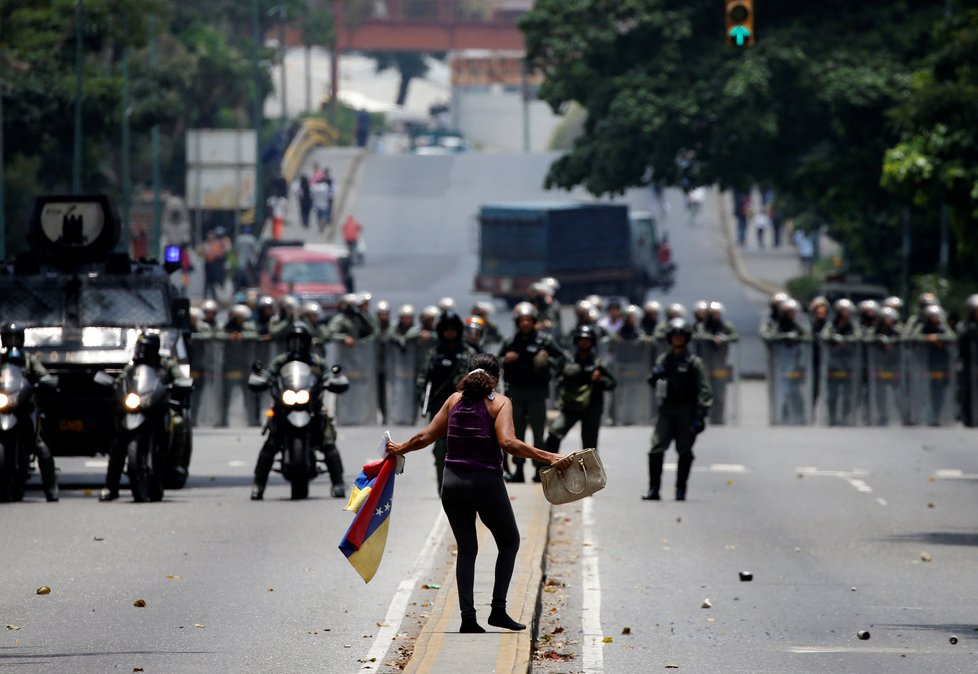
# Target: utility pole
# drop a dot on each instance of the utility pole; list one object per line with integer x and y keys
{"x": 157, "y": 228}
{"x": 124, "y": 239}
{"x": 256, "y": 119}
{"x": 77, "y": 153}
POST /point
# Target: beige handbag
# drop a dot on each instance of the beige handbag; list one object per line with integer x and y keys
{"x": 584, "y": 476}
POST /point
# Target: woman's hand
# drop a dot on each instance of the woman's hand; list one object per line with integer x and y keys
{"x": 560, "y": 461}
{"x": 395, "y": 448}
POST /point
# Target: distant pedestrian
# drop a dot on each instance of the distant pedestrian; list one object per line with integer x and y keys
{"x": 478, "y": 423}
{"x": 214, "y": 251}
{"x": 695, "y": 199}
{"x": 352, "y": 229}
{"x": 762, "y": 223}
{"x": 305, "y": 200}
{"x": 805, "y": 245}
{"x": 331, "y": 194}
{"x": 776, "y": 221}
{"x": 363, "y": 127}
{"x": 277, "y": 205}
{"x": 319, "y": 191}
{"x": 742, "y": 213}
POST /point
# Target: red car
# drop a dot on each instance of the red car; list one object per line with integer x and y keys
{"x": 312, "y": 275}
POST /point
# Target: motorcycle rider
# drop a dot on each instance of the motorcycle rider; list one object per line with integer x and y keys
{"x": 528, "y": 359}
{"x": 12, "y": 343}
{"x": 581, "y": 388}
{"x": 683, "y": 407}
{"x": 446, "y": 364}
{"x": 147, "y": 352}
{"x": 298, "y": 346}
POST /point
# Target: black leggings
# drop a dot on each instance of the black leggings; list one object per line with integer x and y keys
{"x": 464, "y": 494}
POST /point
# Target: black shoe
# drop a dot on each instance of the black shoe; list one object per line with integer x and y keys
{"x": 107, "y": 495}
{"x": 257, "y": 492}
{"x": 536, "y": 477}
{"x": 680, "y": 494}
{"x": 516, "y": 476}
{"x": 337, "y": 491}
{"x": 651, "y": 495}
{"x": 51, "y": 495}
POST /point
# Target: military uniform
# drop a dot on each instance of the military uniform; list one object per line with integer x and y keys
{"x": 842, "y": 372}
{"x": 687, "y": 399}
{"x": 445, "y": 366}
{"x": 968, "y": 350}
{"x": 581, "y": 398}
{"x": 711, "y": 341}
{"x": 239, "y": 340}
{"x": 937, "y": 339}
{"x": 528, "y": 384}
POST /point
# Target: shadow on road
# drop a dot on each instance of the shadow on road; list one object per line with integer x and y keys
{"x": 960, "y": 631}
{"x": 936, "y": 538}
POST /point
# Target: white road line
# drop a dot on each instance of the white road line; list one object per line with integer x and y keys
{"x": 97, "y": 463}
{"x": 398, "y": 606}
{"x": 238, "y": 464}
{"x": 954, "y": 474}
{"x": 853, "y": 477}
{"x": 592, "y": 656}
{"x": 713, "y": 468}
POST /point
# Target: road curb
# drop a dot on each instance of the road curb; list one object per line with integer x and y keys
{"x": 733, "y": 253}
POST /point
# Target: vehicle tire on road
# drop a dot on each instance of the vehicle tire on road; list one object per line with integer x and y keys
{"x": 299, "y": 468}
{"x": 11, "y": 481}
{"x": 144, "y": 469}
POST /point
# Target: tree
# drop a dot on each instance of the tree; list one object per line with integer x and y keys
{"x": 804, "y": 111}
{"x": 408, "y": 63}
{"x": 936, "y": 160}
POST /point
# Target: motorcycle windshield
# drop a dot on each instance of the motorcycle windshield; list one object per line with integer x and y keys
{"x": 143, "y": 379}
{"x": 296, "y": 375}
{"x": 12, "y": 380}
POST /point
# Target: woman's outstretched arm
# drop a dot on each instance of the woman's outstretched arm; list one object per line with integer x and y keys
{"x": 433, "y": 431}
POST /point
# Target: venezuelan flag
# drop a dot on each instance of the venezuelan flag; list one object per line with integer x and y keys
{"x": 371, "y": 499}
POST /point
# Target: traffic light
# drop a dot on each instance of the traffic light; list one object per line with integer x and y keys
{"x": 740, "y": 23}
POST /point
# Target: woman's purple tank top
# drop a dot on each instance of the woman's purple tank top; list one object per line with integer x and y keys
{"x": 472, "y": 437}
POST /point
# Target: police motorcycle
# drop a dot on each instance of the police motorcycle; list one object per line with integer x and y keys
{"x": 19, "y": 426}
{"x": 152, "y": 430}
{"x": 297, "y": 422}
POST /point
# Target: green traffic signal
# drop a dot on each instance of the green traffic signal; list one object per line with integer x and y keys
{"x": 740, "y": 34}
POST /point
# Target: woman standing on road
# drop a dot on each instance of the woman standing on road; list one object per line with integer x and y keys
{"x": 479, "y": 423}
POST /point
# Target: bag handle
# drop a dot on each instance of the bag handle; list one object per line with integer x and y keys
{"x": 560, "y": 477}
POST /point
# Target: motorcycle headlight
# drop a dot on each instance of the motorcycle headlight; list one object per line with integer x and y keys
{"x": 132, "y": 401}
{"x": 289, "y": 397}
{"x": 4, "y": 401}
{"x": 301, "y": 397}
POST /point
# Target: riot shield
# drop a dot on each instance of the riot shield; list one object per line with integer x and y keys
{"x": 239, "y": 406}
{"x": 202, "y": 371}
{"x": 358, "y": 406}
{"x": 841, "y": 382}
{"x": 930, "y": 380}
{"x": 790, "y": 382}
{"x": 631, "y": 400}
{"x": 208, "y": 412}
{"x": 886, "y": 385}
{"x": 969, "y": 385}
{"x": 402, "y": 404}
{"x": 720, "y": 362}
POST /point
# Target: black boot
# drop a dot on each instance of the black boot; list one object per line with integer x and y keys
{"x": 499, "y": 618}
{"x": 469, "y": 624}
{"x": 108, "y": 494}
{"x": 517, "y": 474}
{"x": 49, "y": 477}
{"x": 655, "y": 477}
{"x": 257, "y": 491}
{"x": 682, "y": 474}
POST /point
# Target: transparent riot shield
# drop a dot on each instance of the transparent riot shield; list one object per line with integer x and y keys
{"x": 358, "y": 406}
{"x": 630, "y": 364}
{"x": 841, "y": 382}
{"x": 402, "y": 404}
{"x": 790, "y": 382}
{"x": 209, "y": 412}
{"x": 239, "y": 406}
{"x": 202, "y": 371}
{"x": 969, "y": 384}
{"x": 886, "y": 390}
{"x": 930, "y": 382}
{"x": 721, "y": 361}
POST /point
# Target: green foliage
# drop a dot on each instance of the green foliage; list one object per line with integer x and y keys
{"x": 803, "y": 288}
{"x": 409, "y": 64}
{"x": 805, "y": 111}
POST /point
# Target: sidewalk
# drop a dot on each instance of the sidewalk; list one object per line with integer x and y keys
{"x": 765, "y": 269}
{"x": 440, "y": 649}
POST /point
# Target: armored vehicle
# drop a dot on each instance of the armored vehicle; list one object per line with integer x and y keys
{"x": 84, "y": 305}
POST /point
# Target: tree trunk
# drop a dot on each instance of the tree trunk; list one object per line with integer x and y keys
{"x": 402, "y": 89}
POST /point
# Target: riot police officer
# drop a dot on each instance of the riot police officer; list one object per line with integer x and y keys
{"x": 650, "y": 318}
{"x": 483, "y": 310}
{"x": 700, "y": 309}
{"x": 885, "y": 395}
{"x": 548, "y": 318}
{"x": 840, "y": 340}
{"x": 528, "y": 359}
{"x": 673, "y": 311}
{"x": 12, "y": 341}
{"x": 349, "y": 325}
{"x": 147, "y": 353}
{"x": 712, "y": 339}
{"x": 210, "y": 309}
{"x": 685, "y": 398}
{"x": 298, "y": 344}
{"x": 475, "y": 332}
{"x": 968, "y": 348}
{"x": 384, "y": 329}
{"x": 239, "y": 335}
{"x": 789, "y": 364}
{"x": 580, "y": 391}
{"x": 446, "y": 365}
{"x": 933, "y": 354}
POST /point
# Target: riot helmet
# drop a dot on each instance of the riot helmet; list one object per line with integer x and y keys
{"x": 927, "y": 300}
{"x": 12, "y": 335}
{"x": 524, "y": 309}
{"x": 446, "y": 304}
{"x": 633, "y": 313}
{"x": 675, "y": 310}
{"x": 583, "y": 307}
{"x": 240, "y": 313}
{"x": 777, "y": 299}
{"x": 716, "y": 310}
{"x": 894, "y": 303}
{"x": 475, "y": 329}
{"x": 406, "y": 310}
{"x": 449, "y": 321}
{"x": 844, "y": 307}
{"x": 312, "y": 311}
{"x": 585, "y": 332}
{"x": 971, "y": 303}
{"x": 265, "y": 303}
{"x": 889, "y": 316}
{"x": 288, "y": 305}
{"x": 551, "y": 283}
{"x": 298, "y": 341}
{"x": 482, "y": 309}
{"x": 209, "y": 307}
{"x": 147, "y": 349}
{"x": 652, "y": 308}
{"x": 679, "y": 326}
{"x": 933, "y": 313}
{"x": 700, "y": 307}
{"x": 383, "y": 307}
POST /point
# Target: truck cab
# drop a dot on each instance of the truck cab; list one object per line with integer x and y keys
{"x": 651, "y": 251}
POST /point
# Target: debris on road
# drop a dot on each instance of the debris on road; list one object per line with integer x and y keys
{"x": 926, "y": 556}
{"x": 139, "y": 603}
{"x": 626, "y": 630}
{"x": 44, "y": 589}
{"x": 706, "y": 604}
{"x": 13, "y": 628}
{"x": 746, "y": 576}
{"x": 863, "y": 635}
{"x": 953, "y": 640}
